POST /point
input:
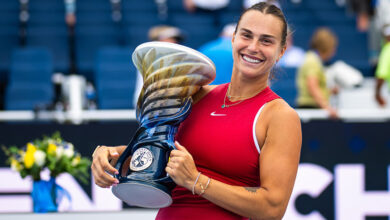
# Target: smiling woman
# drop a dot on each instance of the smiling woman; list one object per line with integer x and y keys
{"x": 257, "y": 46}
{"x": 238, "y": 150}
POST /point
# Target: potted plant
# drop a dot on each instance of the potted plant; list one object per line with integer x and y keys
{"x": 56, "y": 155}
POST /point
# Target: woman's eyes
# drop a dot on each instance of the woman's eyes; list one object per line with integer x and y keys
{"x": 266, "y": 41}
{"x": 246, "y": 36}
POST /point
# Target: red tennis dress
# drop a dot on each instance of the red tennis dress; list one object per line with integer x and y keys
{"x": 224, "y": 147}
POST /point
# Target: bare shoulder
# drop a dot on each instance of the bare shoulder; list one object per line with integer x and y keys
{"x": 278, "y": 111}
{"x": 203, "y": 91}
{"x": 279, "y": 120}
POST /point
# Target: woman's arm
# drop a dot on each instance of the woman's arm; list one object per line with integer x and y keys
{"x": 104, "y": 158}
{"x": 279, "y": 160}
{"x": 378, "y": 97}
{"x": 315, "y": 92}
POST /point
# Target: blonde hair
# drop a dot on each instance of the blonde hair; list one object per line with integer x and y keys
{"x": 323, "y": 40}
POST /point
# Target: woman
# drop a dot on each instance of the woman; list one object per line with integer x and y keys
{"x": 311, "y": 79}
{"x": 382, "y": 72}
{"x": 218, "y": 157}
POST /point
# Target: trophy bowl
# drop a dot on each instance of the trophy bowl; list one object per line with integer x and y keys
{"x": 171, "y": 74}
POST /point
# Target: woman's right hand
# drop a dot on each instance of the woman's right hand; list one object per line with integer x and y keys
{"x": 102, "y": 169}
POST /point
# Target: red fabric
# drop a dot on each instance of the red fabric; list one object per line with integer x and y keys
{"x": 222, "y": 145}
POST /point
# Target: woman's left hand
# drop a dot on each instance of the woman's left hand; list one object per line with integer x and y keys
{"x": 181, "y": 167}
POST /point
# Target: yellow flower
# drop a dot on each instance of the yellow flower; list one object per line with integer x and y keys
{"x": 29, "y": 157}
{"x": 31, "y": 147}
{"x": 51, "y": 149}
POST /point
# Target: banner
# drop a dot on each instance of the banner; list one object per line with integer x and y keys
{"x": 344, "y": 171}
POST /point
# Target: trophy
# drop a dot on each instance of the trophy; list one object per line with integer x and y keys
{"x": 172, "y": 74}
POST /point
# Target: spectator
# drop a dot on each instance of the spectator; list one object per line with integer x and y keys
{"x": 382, "y": 14}
{"x": 383, "y": 69}
{"x": 165, "y": 33}
{"x": 371, "y": 15}
{"x": 220, "y": 52}
{"x": 364, "y": 11}
{"x": 70, "y": 12}
{"x": 311, "y": 80}
{"x": 293, "y": 57}
{"x": 70, "y": 20}
{"x": 162, "y": 33}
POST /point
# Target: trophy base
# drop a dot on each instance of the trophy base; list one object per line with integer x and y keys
{"x": 143, "y": 194}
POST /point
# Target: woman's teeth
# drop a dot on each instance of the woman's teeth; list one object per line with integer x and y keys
{"x": 250, "y": 60}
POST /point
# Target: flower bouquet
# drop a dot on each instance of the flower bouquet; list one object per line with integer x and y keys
{"x": 55, "y": 154}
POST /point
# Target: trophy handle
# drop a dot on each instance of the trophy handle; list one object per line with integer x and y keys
{"x": 134, "y": 144}
{"x": 127, "y": 152}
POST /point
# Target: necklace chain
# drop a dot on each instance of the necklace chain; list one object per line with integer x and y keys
{"x": 224, "y": 105}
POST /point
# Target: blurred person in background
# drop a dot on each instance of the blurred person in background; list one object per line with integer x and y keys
{"x": 311, "y": 80}
{"x": 70, "y": 12}
{"x": 371, "y": 15}
{"x": 163, "y": 33}
{"x": 166, "y": 33}
{"x": 294, "y": 55}
{"x": 364, "y": 10}
{"x": 70, "y": 20}
{"x": 220, "y": 52}
{"x": 383, "y": 68}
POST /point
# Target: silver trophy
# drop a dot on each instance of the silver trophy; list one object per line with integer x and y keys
{"x": 172, "y": 74}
